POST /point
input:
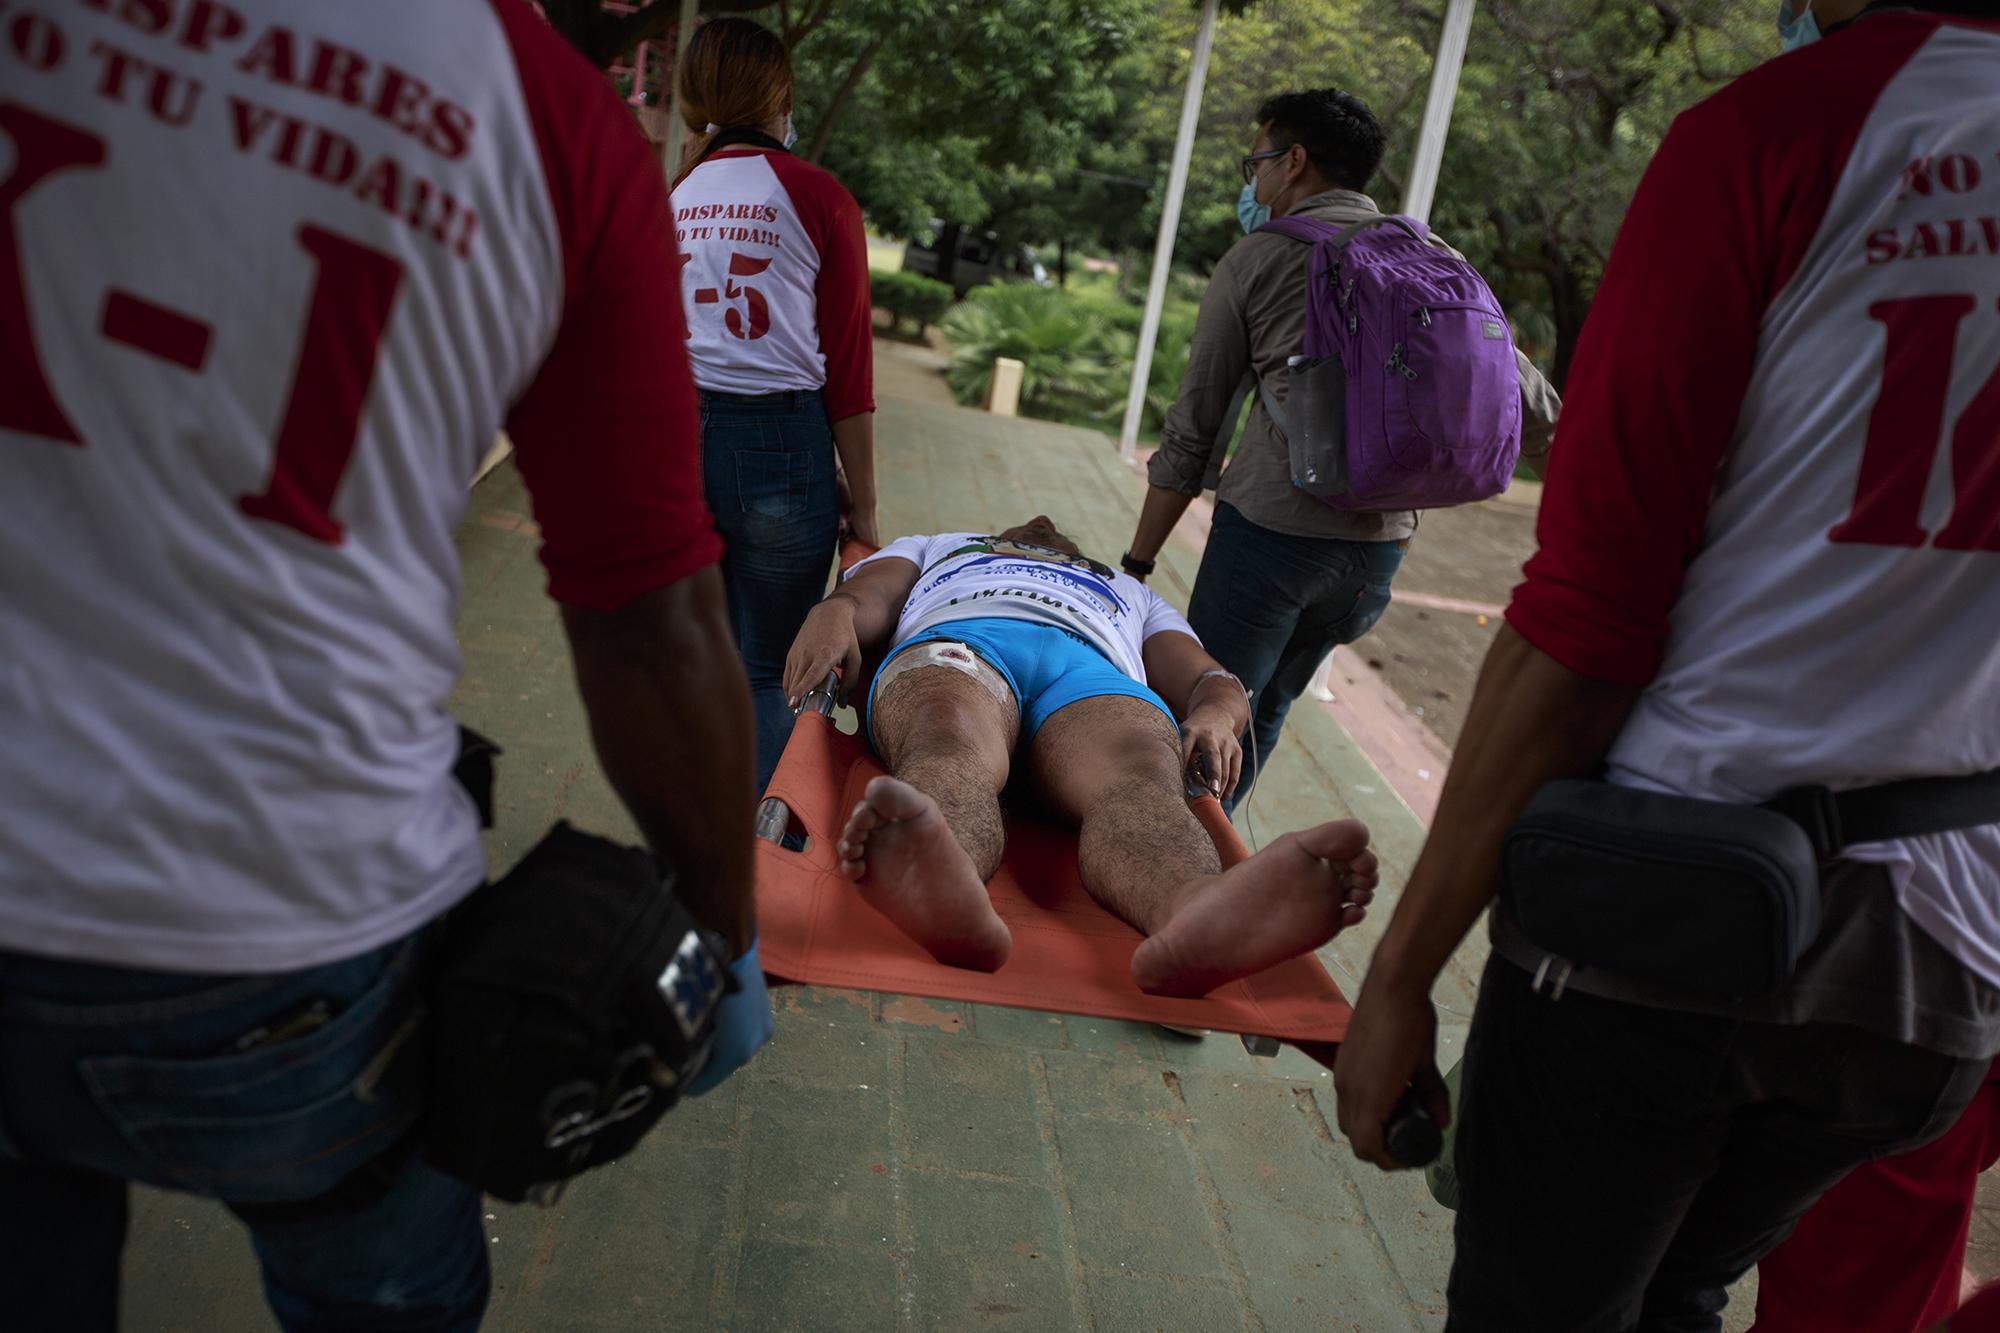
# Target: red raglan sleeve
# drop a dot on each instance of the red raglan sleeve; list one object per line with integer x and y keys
{"x": 607, "y": 436}
{"x": 1721, "y": 220}
{"x": 1652, "y": 398}
{"x": 846, "y": 311}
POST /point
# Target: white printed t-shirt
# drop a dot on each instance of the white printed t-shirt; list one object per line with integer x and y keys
{"x": 971, "y": 576}
{"x": 271, "y": 277}
{"x": 1774, "y": 501}
{"x": 775, "y": 276}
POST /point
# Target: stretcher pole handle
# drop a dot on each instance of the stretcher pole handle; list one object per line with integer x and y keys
{"x": 774, "y": 817}
{"x": 1413, "y": 1138}
{"x": 822, "y": 697}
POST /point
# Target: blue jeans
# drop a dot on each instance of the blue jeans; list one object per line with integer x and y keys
{"x": 769, "y": 470}
{"x": 1270, "y": 606}
{"x": 190, "y": 1083}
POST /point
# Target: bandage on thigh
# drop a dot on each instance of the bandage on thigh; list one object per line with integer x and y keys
{"x": 946, "y": 653}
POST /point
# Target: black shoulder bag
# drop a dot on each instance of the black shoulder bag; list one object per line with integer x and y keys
{"x": 1717, "y": 898}
{"x": 567, "y": 1006}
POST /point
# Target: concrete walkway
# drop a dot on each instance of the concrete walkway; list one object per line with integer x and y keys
{"x": 889, "y": 1163}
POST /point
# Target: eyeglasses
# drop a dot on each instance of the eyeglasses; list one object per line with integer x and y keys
{"x": 1249, "y": 163}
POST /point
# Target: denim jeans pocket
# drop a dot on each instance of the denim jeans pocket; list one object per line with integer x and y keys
{"x": 771, "y": 483}
{"x": 281, "y": 1122}
{"x": 1367, "y": 585}
{"x": 1371, "y": 599}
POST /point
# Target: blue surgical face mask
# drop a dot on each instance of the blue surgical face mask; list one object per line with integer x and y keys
{"x": 1249, "y": 212}
{"x": 1797, "y": 30}
{"x": 791, "y": 135}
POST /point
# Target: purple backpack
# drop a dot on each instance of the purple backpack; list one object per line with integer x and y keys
{"x": 1407, "y": 395}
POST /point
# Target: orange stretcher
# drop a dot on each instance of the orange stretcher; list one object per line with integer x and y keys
{"x": 1069, "y": 953}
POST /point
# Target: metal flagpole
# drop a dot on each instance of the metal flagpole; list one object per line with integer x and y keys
{"x": 670, "y": 146}
{"x": 1437, "y": 110}
{"x": 1170, "y": 221}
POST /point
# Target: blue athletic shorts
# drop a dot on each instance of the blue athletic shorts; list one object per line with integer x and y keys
{"x": 1046, "y": 666}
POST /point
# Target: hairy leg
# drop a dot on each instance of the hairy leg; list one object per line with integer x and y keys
{"x": 1112, "y": 764}
{"x": 922, "y": 843}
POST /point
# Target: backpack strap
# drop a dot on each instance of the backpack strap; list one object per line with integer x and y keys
{"x": 1314, "y": 230}
{"x": 1309, "y": 230}
{"x": 1416, "y": 229}
{"x": 1272, "y": 409}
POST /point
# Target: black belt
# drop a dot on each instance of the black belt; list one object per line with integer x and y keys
{"x": 1905, "y": 809}
{"x": 789, "y": 399}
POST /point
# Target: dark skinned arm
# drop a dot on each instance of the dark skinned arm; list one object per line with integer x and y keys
{"x": 857, "y": 616}
{"x": 1532, "y": 720}
{"x": 665, "y": 691}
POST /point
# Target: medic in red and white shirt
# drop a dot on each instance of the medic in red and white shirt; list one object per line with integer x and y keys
{"x": 1770, "y": 558}
{"x": 775, "y": 278}
{"x": 273, "y": 273}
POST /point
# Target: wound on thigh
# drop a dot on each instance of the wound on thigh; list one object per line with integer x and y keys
{"x": 953, "y": 655}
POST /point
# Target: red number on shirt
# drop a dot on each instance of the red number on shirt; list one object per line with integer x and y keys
{"x": 758, "y": 309}
{"x": 685, "y": 258}
{"x": 1974, "y": 524}
{"x": 353, "y": 293}
{"x": 352, "y": 297}
{"x": 1920, "y": 336}
{"x": 42, "y": 147}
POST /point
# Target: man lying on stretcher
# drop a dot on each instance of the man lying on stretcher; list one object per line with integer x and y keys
{"x": 1017, "y": 647}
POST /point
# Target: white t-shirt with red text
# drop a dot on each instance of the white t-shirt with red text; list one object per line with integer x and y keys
{"x": 775, "y": 277}
{"x": 271, "y": 277}
{"x": 1774, "y": 500}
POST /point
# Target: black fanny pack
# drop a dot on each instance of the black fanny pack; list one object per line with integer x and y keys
{"x": 1720, "y": 899}
{"x": 571, "y": 1002}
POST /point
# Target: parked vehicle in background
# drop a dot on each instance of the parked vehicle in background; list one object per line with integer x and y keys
{"x": 981, "y": 258}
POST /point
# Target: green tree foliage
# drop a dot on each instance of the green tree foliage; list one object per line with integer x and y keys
{"x": 936, "y": 108}
{"x": 1281, "y": 45}
{"x": 1562, "y": 104}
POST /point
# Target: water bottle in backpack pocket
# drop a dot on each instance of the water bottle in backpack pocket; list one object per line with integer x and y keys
{"x": 1314, "y": 420}
{"x": 1426, "y": 410}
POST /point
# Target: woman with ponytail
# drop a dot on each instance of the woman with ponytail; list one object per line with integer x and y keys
{"x": 775, "y": 281}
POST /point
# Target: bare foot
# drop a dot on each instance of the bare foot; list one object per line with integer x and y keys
{"x": 1287, "y": 900}
{"x": 901, "y": 855}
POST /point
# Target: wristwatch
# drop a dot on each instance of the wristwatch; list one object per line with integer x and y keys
{"x": 1136, "y": 567}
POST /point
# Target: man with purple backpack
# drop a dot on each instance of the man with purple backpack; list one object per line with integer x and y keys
{"x": 1382, "y": 380}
